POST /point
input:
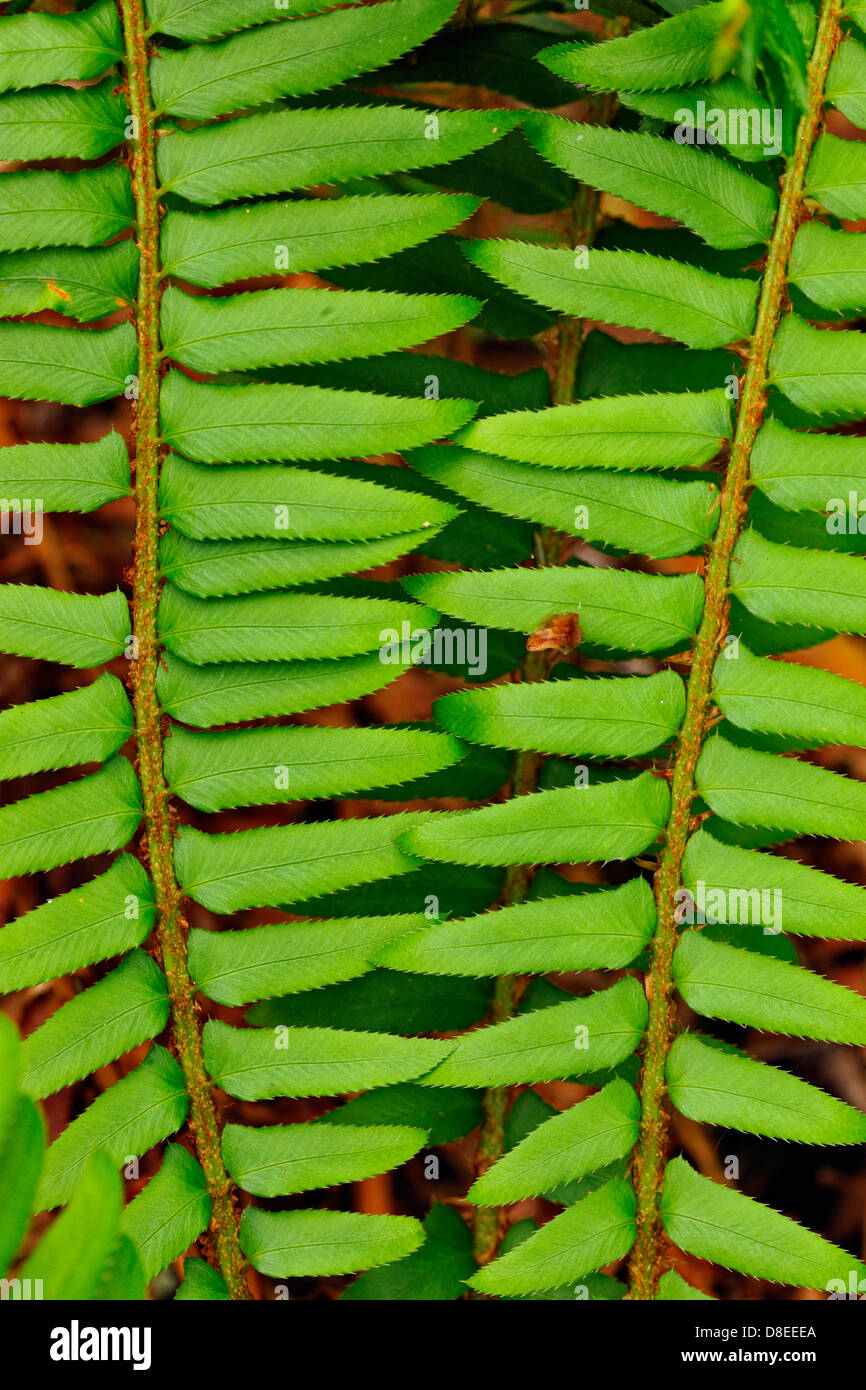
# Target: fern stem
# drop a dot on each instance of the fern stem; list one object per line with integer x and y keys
{"x": 648, "y": 1167}
{"x": 171, "y": 928}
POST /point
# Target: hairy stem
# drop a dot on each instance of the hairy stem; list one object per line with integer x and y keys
{"x": 649, "y": 1160}
{"x": 171, "y": 930}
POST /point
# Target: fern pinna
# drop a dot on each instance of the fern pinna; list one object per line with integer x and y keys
{"x": 698, "y": 791}
{"x": 233, "y": 618}
{"x": 689, "y": 514}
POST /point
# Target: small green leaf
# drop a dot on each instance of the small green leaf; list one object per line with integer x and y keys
{"x": 783, "y": 698}
{"x": 288, "y": 505}
{"x": 549, "y": 1044}
{"x": 228, "y": 694}
{"x": 836, "y": 176}
{"x": 801, "y": 470}
{"x": 37, "y": 48}
{"x": 82, "y": 726}
{"x": 66, "y": 477}
{"x": 82, "y": 284}
{"x": 272, "y": 328}
{"x": 752, "y": 788}
{"x": 833, "y": 382}
{"x": 68, "y": 365}
{"x": 655, "y": 516}
{"x": 210, "y": 19}
{"x": 590, "y": 931}
{"x": 256, "y": 1064}
{"x": 125, "y": 1008}
{"x": 722, "y": 204}
{"x": 655, "y": 431}
{"x": 294, "y": 1244}
{"x": 290, "y": 59}
{"x": 94, "y": 814}
{"x": 567, "y": 1146}
{"x": 62, "y": 122}
{"x": 214, "y": 248}
{"x": 282, "y": 864}
{"x": 675, "y": 52}
{"x": 170, "y": 1213}
{"x": 284, "y": 627}
{"x": 104, "y": 917}
{"x": 42, "y": 208}
{"x": 721, "y": 981}
{"x": 616, "y": 608}
{"x": 716, "y": 1223}
{"x": 680, "y": 301}
{"x": 236, "y": 967}
{"x": 217, "y": 424}
{"x": 278, "y": 1160}
{"x": 731, "y": 884}
{"x": 77, "y": 629}
{"x": 283, "y": 150}
{"x": 129, "y": 1118}
{"x": 255, "y": 767}
{"x": 613, "y": 820}
{"x": 598, "y": 718}
{"x": 594, "y": 1231}
{"x": 732, "y": 1090}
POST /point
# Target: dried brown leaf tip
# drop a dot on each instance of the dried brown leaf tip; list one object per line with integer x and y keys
{"x": 559, "y": 633}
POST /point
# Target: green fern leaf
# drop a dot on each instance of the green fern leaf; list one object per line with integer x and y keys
{"x": 83, "y": 726}
{"x": 127, "y": 1119}
{"x": 720, "y": 981}
{"x": 724, "y": 206}
{"x": 271, "y": 328}
{"x": 732, "y": 1090}
{"x": 278, "y": 1160}
{"x": 700, "y": 309}
{"x": 37, "y": 48}
{"x": 124, "y": 1009}
{"x": 170, "y": 1213}
{"x": 661, "y": 431}
{"x": 589, "y": 932}
{"x": 549, "y": 1044}
{"x": 59, "y": 209}
{"x": 214, "y": 248}
{"x": 265, "y": 63}
{"x": 589, "y": 1234}
{"x": 42, "y": 363}
{"x": 291, "y": 1244}
{"x": 104, "y": 917}
{"x": 94, "y": 814}
{"x": 66, "y": 477}
{"x": 218, "y": 424}
{"x": 254, "y": 1064}
{"x": 567, "y": 1146}
{"x": 289, "y": 505}
{"x": 730, "y": 1228}
{"x": 282, "y": 150}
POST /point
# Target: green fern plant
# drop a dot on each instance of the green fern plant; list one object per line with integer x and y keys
{"x": 636, "y": 472}
{"x": 675, "y": 500}
{"x": 228, "y": 622}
